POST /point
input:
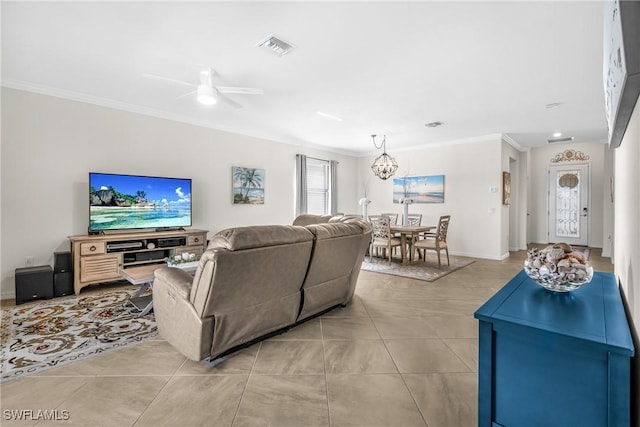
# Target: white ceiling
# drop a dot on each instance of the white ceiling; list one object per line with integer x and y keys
{"x": 389, "y": 68}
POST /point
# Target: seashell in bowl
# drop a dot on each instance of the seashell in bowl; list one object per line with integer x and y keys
{"x": 558, "y": 268}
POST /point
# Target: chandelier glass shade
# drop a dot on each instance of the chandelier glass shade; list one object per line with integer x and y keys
{"x": 384, "y": 166}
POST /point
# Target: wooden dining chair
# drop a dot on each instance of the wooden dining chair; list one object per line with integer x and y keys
{"x": 436, "y": 243}
{"x": 381, "y": 236}
{"x": 393, "y": 217}
{"x": 413, "y": 220}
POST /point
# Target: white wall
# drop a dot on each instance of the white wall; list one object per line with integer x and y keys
{"x": 540, "y": 161}
{"x": 627, "y": 232}
{"x": 49, "y": 145}
{"x": 627, "y": 215}
{"x": 608, "y": 206}
{"x": 470, "y": 169}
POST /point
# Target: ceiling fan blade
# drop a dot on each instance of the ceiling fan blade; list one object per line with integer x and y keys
{"x": 228, "y": 101}
{"x": 167, "y": 79}
{"x": 240, "y": 90}
{"x": 186, "y": 94}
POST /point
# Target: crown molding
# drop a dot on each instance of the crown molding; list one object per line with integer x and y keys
{"x": 151, "y": 112}
{"x": 512, "y": 142}
{"x": 472, "y": 140}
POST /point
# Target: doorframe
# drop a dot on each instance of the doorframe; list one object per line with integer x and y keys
{"x": 589, "y": 193}
{"x": 514, "y": 238}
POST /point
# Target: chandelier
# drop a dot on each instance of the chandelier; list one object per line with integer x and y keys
{"x": 384, "y": 166}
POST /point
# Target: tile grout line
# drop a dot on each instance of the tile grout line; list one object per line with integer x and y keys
{"x": 137, "y": 420}
{"x": 384, "y": 342}
{"x": 244, "y": 389}
{"x": 324, "y": 366}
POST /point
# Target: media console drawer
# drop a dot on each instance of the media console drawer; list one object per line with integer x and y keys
{"x": 195, "y": 240}
{"x": 101, "y": 258}
{"x": 93, "y": 248}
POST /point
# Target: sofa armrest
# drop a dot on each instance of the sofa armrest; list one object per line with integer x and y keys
{"x": 175, "y": 281}
{"x": 176, "y": 318}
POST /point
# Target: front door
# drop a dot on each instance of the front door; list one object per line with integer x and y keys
{"x": 569, "y": 204}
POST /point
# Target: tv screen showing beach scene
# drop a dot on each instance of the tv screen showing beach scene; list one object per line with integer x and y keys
{"x": 118, "y": 202}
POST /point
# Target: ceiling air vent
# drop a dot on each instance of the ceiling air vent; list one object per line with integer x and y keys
{"x": 553, "y": 141}
{"x": 276, "y": 46}
{"x": 434, "y": 124}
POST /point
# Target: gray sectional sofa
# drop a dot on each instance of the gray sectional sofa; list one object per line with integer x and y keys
{"x": 253, "y": 282}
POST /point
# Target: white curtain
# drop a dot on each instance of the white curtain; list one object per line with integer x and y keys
{"x": 333, "y": 187}
{"x": 301, "y": 184}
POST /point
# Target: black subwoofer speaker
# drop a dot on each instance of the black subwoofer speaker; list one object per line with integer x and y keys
{"x": 33, "y": 283}
{"x": 63, "y": 283}
{"x": 62, "y": 262}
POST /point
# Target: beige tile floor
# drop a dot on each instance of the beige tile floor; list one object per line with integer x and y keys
{"x": 403, "y": 354}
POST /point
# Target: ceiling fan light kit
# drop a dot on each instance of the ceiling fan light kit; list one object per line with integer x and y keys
{"x": 384, "y": 166}
{"x": 207, "y": 95}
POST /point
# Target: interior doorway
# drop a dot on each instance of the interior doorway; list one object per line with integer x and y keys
{"x": 514, "y": 208}
{"x": 569, "y": 204}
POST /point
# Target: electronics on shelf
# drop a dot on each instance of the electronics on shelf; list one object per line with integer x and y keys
{"x": 121, "y": 246}
{"x": 172, "y": 241}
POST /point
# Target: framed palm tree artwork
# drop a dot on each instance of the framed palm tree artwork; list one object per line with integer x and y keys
{"x": 248, "y": 186}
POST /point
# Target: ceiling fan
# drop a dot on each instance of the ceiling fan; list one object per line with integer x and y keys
{"x": 207, "y": 93}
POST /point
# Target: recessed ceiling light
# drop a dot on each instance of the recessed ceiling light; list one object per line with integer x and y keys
{"x": 557, "y": 134}
{"x": 276, "y": 46}
{"x": 553, "y": 105}
{"x": 328, "y": 116}
{"x": 434, "y": 124}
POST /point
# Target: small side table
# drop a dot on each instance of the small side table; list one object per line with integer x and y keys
{"x": 554, "y": 359}
{"x": 142, "y": 276}
{"x": 189, "y": 267}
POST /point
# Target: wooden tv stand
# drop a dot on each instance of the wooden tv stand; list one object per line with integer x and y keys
{"x": 99, "y": 258}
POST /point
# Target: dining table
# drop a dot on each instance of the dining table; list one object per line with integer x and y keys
{"x": 409, "y": 231}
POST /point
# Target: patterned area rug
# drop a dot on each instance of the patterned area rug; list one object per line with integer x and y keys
{"x": 47, "y": 334}
{"x": 427, "y": 271}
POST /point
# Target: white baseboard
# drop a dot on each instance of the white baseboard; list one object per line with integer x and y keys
{"x": 481, "y": 256}
{"x": 8, "y": 295}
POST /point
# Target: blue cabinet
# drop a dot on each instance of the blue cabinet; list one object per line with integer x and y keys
{"x": 554, "y": 359}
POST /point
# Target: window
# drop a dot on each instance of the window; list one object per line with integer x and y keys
{"x": 316, "y": 185}
{"x": 318, "y": 191}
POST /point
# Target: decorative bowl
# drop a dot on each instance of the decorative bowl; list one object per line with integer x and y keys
{"x": 558, "y": 268}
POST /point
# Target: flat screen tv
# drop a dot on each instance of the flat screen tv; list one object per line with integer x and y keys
{"x": 123, "y": 202}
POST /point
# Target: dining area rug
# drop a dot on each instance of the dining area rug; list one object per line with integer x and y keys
{"x": 427, "y": 271}
{"x": 42, "y": 335}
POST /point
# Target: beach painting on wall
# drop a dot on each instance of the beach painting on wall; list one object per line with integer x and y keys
{"x": 248, "y": 186}
{"x": 421, "y": 189}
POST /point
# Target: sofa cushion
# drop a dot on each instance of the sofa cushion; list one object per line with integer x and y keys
{"x": 308, "y": 219}
{"x": 257, "y": 236}
{"x": 335, "y": 263}
{"x": 334, "y": 229}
